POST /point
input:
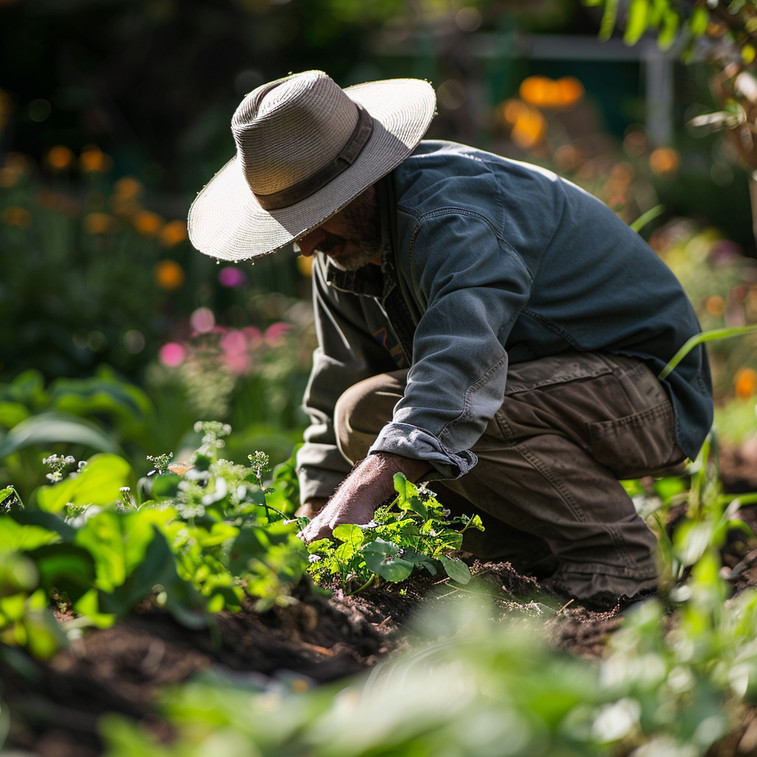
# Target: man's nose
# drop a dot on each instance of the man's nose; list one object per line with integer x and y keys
{"x": 310, "y": 241}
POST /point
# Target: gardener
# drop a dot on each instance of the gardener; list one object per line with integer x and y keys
{"x": 480, "y": 322}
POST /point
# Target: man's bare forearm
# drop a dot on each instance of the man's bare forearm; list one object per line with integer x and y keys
{"x": 369, "y": 484}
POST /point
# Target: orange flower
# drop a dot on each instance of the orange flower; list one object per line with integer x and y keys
{"x": 715, "y": 305}
{"x": 529, "y": 129}
{"x": 537, "y": 91}
{"x": 14, "y": 215}
{"x": 128, "y": 187}
{"x": 59, "y": 158}
{"x": 147, "y": 223}
{"x": 664, "y": 162}
{"x": 99, "y": 223}
{"x": 94, "y": 160}
{"x": 169, "y": 275}
{"x": 511, "y": 110}
{"x": 745, "y": 383}
{"x": 543, "y": 92}
{"x": 173, "y": 233}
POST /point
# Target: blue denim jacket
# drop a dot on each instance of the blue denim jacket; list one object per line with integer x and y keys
{"x": 487, "y": 261}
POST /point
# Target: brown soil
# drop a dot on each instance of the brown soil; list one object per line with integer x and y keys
{"x": 55, "y": 706}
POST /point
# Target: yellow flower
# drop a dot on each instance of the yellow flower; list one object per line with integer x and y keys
{"x": 745, "y": 383}
{"x": 305, "y": 265}
{"x": 169, "y": 275}
{"x": 94, "y": 160}
{"x": 59, "y": 158}
{"x": 99, "y": 223}
{"x": 173, "y": 233}
{"x": 147, "y": 223}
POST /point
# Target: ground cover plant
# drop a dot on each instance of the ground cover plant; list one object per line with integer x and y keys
{"x": 204, "y": 546}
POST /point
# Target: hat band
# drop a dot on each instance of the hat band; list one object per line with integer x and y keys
{"x": 305, "y": 188}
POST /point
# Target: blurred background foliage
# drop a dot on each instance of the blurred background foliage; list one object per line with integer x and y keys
{"x": 114, "y": 113}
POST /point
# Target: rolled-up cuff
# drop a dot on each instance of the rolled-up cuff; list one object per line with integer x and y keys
{"x": 410, "y": 441}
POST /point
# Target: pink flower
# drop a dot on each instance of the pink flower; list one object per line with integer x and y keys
{"x": 235, "y": 355}
{"x": 202, "y": 320}
{"x": 172, "y": 354}
{"x": 230, "y": 276}
{"x": 275, "y": 333}
{"x": 253, "y": 335}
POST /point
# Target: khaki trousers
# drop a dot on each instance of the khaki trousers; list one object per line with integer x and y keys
{"x": 546, "y": 484}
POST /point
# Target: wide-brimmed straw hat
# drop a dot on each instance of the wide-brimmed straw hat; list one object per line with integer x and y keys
{"x": 305, "y": 149}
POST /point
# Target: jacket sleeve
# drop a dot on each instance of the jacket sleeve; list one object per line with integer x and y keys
{"x": 346, "y": 354}
{"x": 471, "y": 285}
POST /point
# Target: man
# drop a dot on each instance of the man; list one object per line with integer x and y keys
{"x": 480, "y": 321}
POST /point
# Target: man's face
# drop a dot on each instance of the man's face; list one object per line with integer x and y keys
{"x": 351, "y": 238}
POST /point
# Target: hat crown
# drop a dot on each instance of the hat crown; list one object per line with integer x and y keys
{"x": 286, "y": 131}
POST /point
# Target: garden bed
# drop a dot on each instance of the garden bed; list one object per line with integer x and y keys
{"x": 312, "y": 640}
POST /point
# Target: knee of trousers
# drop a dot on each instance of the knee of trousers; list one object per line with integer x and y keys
{"x": 362, "y": 411}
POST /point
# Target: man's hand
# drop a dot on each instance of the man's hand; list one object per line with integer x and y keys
{"x": 355, "y": 501}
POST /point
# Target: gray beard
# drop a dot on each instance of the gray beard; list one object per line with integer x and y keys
{"x": 358, "y": 259}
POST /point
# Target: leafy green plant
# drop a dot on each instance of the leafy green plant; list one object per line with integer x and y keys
{"x": 194, "y": 539}
{"x": 412, "y": 533}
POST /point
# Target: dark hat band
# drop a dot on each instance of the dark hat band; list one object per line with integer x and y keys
{"x": 305, "y": 188}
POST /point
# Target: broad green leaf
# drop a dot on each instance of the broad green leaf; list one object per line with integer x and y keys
{"x": 400, "y": 486}
{"x": 51, "y": 428}
{"x": 100, "y": 394}
{"x": 12, "y": 413}
{"x": 118, "y": 542}
{"x": 381, "y": 557}
{"x": 18, "y": 538}
{"x": 45, "y": 520}
{"x": 456, "y": 569}
{"x": 350, "y": 534}
{"x": 154, "y": 571}
{"x": 65, "y": 568}
{"x": 99, "y": 483}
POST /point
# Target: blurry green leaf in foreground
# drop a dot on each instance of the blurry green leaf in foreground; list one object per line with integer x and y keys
{"x": 51, "y": 428}
{"x": 99, "y": 483}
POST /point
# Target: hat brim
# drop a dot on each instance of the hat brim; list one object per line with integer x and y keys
{"x": 226, "y": 221}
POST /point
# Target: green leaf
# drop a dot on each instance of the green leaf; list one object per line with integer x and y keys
{"x": 350, "y": 534}
{"x": 17, "y": 537}
{"x": 638, "y": 15}
{"x": 66, "y": 568}
{"x": 609, "y": 16}
{"x": 699, "y": 20}
{"x": 456, "y": 569}
{"x": 381, "y": 557}
{"x": 54, "y": 428}
{"x": 705, "y": 336}
{"x": 668, "y": 30}
{"x": 45, "y": 520}
{"x": 99, "y": 483}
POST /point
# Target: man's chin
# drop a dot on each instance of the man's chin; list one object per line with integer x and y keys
{"x": 352, "y": 261}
